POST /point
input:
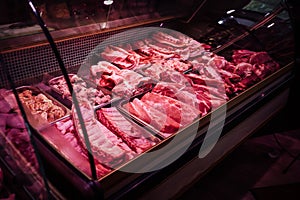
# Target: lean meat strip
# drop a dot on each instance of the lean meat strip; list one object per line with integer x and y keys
{"x": 102, "y": 68}
{"x": 190, "y": 49}
{"x": 136, "y": 138}
{"x": 168, "y": 39}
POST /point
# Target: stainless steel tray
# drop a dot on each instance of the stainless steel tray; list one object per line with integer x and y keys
{"x": 55, "y": 79}
{"x": 35, "y": 119}
{"x": 60, "y": 144}
{"x": 142, "y": 123}
{"x": 68, "y": 99}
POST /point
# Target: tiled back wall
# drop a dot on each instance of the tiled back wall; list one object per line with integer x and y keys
{"x": 26, "y": 64}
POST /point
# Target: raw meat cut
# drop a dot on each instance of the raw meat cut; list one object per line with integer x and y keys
{"x": 122, "y": 58}
{"x": 185, "y": 94}
{"x": 168, "y": 39}
{"x": 133, "y": 83}
{"x": 181, "y": 112}
{"x": 105, "y": 151}
{"x": 160, "y": 121}
{"x": 137, "y": 139}
{"x": 80, "y": 87}
{"x": 154, "y": 52}
{"x": 66, "y": 127}
{"x": 13, "y": 127}
{"x": 40, "y": 104}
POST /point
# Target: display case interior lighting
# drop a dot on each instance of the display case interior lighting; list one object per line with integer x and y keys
{"x": 221, "y": 22}
{"x": 230, "y": 11}
{"x": 108, "y": 2}
{"x": 270, "y": 25}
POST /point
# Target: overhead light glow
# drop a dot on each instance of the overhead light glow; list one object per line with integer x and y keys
{"x": 103, "y": 25}
{"x": 108, "y": 2}
{"x": 270, "y": 25}
{"x": 221, "y": 22}
{"x": 230, "y": 11}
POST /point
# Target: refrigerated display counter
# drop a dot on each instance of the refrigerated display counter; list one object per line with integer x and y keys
{"x": 163, "y": 100}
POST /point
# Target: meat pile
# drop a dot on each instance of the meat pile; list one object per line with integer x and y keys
{"x": 103, "y": 148}
{"x": 80, "y": 88}
{"x": 13, "y": 127}
{"x": 67, "y": 129}
{"x": 175, "y": 51}
{"x": 188, "y": 77}
{"x": 156, "y": 55}
{"x": 114, "y": 140}
{"x": 124, "y": 58}
{"x": 252, "y": 66}
{"x": 168, "y": 81}
{"x": 40, "y": 105}
{"x": 166, "y": 56}
{"x": 162, "y": 112}
{"x": 136, "y": 138}
{"x": 244, "y": 70}
{"x": 124, "y": 83}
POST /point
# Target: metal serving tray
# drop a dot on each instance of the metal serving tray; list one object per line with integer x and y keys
{"x": 51, "y": 83}
{"x": 35, "y": 119}
{"x": 142, "y": 123}
{"x": 79, "y": 162}
{"x": 67, "y": 101}
{"x": 77, "y": 169}
{"x": 140, "y": 128}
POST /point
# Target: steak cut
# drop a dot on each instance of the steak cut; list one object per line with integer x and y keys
{"x": 158, "y": 120}
{"x": 181, "y": 112}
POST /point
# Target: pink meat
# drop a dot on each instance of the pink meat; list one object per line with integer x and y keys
{"x": 181, "y": 112}
{"x": 168, "y": 39}
{"x": 4, "y": 106}
{"x": 21, "y": 140}
{"x": 13, "y": 120}
{"x": 184, "y": 94}
{"x": 243, "y": 55}
{"x": 133, "y": 83}
{"x": 136, "y": 108}
{"x": 135, "y": 138}
{"x": 259, "y": 58}
{"x": 167, "y": 89}
{"x": 110, "y": 81}
{"x": 159, "y": 120}
{"x": 217, "y": 62}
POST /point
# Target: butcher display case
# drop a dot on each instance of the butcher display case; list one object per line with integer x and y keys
{"x": 119, "y": 99}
